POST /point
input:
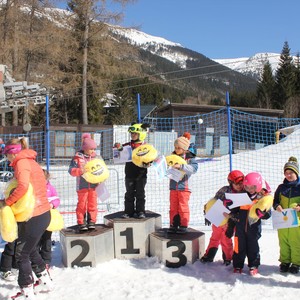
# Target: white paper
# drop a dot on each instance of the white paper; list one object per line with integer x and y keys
{"x": 238, "y": 199}
{"x": 175, "y": 174}
{"x": 160, "y": 166}
{"x": 285, "y": 219}
{"x": 215, "y": 213}
{"x": 102, "y": 192}
{"x": 123, "y": 156}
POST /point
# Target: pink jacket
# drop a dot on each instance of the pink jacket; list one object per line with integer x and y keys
{"x": 52, "y": 195}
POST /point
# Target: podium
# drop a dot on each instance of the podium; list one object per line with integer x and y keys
{"x": 131, "y": 236}
{"x": 177, "y": 249}
{"x": 88, "y": 248}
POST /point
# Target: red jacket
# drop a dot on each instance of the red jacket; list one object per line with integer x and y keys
{"x": 27, "y": 170}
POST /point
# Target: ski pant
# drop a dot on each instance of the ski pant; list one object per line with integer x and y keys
{"x": 45, "y": 246}
{"x": 179, "y": 206}
{"x": 246, "y": 244}
{"x": 87, "y": 202}
{"x": 30, "y": 233}
{"x": 289, "y": 244}
{"x": 135, "y": 194}
{"x": 217, "y": 238}
{"x": 8, "y": 257}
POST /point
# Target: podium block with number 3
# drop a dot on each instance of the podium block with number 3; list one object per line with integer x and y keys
{"x": 176, "y": 250}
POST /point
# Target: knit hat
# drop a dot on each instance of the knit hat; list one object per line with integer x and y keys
{"x": 87, "y": 142}
{"x": 293, "y": 165}
{"x": 182, "y": 142}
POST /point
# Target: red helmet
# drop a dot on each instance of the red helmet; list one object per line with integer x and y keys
{"x": 235, "y": 176}
{"x": 256, "y": 179}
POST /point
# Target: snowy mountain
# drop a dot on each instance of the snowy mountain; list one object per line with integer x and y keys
{"x": 249, "y": 66}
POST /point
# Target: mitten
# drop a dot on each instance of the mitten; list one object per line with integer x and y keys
{"x": 227, "y": 202}
{"x": 230, "y": 228}
{"x": 207, "y": 222}
{"x": 263, "y": 214}
{"x": 118, "y": 146}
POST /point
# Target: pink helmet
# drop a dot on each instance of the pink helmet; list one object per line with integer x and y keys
{"x": 256, "y": 179}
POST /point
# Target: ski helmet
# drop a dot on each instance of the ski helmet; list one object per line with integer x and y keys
{"x": 256, "y": 179}
{"x": 137, "y": 128}
{"x": 235, "y": 176}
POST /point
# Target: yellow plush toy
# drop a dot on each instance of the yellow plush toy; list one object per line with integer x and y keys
{"x": 96, "y": 171}
{"x": 143, "y": 155}
{"x": 208, "y": 206}
{"x": 23, "y": 208}
{"x": 8, "y": 224}
{"x": 57, "y": 221}
{"x": 264, "y": 204}
{"x": 175, "y": 159}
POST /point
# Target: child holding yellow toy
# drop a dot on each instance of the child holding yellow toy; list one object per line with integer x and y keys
{"x": 179, "y": 191}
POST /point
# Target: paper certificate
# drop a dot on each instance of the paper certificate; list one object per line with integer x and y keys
{"x": 215, "y": 213}
{"x": 285, "y": 219}
{"x": 175, "y": 174}
{"x": 160, "y": 166}
{"x": 238, "y": 199}
{"x": 123, "y": 156}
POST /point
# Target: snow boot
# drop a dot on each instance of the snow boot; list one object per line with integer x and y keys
{"x": 8, "y": 276}
{"x": 284, "y": 267}
{"x": 45, "y": 281}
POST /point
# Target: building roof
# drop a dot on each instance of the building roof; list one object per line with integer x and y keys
{"x": 174, "y": 110}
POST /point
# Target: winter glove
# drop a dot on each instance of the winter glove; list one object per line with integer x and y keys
{"x": 263, "y": 214}
{"x": 118, "y": 146}
{"x": 207, "y": 222}
{"x": 147, "y": 165}
{"x": 227, "y": 202}
{"x": 230, "y": 228}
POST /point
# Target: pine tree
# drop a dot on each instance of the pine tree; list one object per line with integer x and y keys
{"x": 265, "y": 87}
{"x": 285, "y": 78}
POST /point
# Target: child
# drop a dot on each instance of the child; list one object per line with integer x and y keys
{"x": 135, "y": 177}
{"x": 45, "y": 243}
{"x": 8, "y": 262}
{"x": 220, "y": 234}
{"x": 246, "y": 235}
{"x": 86, "y": 211}
{"x": 179, "y": 191}
{"x": 287, "y": 195}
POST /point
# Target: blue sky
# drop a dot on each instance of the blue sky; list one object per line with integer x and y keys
{"x": 220, "y": 28}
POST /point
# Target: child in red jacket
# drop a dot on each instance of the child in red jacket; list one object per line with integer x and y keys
{"x": 223, "y": 234}
{"x": 86, "y": 211}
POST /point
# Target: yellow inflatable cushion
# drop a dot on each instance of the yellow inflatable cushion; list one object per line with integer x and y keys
{"x": 143, "y": 155}
{"x": 8, "y": 224}
{"x": 23, "y": 208}
{"x": 175, "y": 159}
{"x": 57, "y": 221}
{"x": 264, "y": 204}
{"x": 96, "y": 171}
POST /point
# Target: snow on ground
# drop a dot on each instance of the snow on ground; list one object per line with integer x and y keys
{"x": 147, "y": 278}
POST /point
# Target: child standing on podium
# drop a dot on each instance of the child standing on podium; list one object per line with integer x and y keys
{"x": 179, "y": 191}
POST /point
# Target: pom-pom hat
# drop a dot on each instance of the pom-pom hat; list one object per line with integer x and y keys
{"x": 293, "y": 165}
{"x": 182, "y": 142}
{"x": 87, "y": 142}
